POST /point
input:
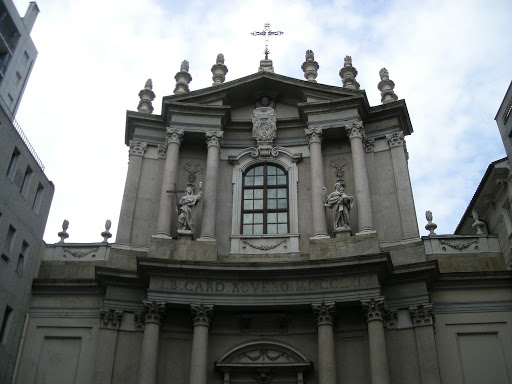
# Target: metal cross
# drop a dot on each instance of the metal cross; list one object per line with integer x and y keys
{"x": 266, "y": 32}
{"x": 175, "y": 193}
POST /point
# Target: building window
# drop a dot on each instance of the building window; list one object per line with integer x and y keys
{"x": 10, "y": 101}
{"x": 13, "y": 162}
{"x": 6, "y": 322}
{"x": 21, "y": 258}
{"x": 26, "y": 180}
{"x": 38, "y": 198}
{"x": 25, "y": 58}
{"x": 9, "y": 241}
{"x": 265, "y": 201}
{"x": 17, "y": 79}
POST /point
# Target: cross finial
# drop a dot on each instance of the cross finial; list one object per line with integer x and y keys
{"x": 266, "y": 33}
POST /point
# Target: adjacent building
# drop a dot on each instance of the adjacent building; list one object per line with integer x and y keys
{"x": 268, "y": 234}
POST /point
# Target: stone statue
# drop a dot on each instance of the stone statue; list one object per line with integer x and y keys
{"x": 220, "y": 58}
{"x": 341, "y": 203}
{"x": 187, "y": 205}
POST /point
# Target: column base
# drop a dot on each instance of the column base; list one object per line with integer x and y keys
{"x": 161, "y": 236}
{"x": 317, "y": 236}
{"x": 207, "y": 238}
{"x": 366, "y": 231}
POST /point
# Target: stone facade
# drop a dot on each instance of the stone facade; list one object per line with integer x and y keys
{"x": 263, "y": 290}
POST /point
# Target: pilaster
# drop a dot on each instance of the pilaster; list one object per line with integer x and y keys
{"x": 317, "y": 183}
{"x": 153, "y": 313}
{"x": 110, "y": 320}
{"x": 201, "y": 318}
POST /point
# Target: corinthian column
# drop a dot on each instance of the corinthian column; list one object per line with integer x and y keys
{"x": 110, "y": 321}
{"x": 137, "y": 149}
{"x": 362, "y": 190}
{"x": 422, "y": 317}
{"x": 173, "y": 141}
{"x": 324, "y": 314}
{"x": 201, "y": 316}
{"x": 153, "y": 314}
{"x": 317, "y": 183}
{"x": 374, "y": 311}
{"x": 213, "y": 139}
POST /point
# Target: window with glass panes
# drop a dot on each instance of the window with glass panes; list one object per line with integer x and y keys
{"x": 265, "y": 200}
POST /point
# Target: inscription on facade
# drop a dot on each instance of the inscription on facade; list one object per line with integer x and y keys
{"x": 277, "y": 287}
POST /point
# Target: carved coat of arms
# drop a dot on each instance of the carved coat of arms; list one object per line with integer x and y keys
{"x": 264, "y": 125}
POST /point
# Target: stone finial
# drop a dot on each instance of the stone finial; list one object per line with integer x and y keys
{"x": 348, "y": 74}
{"x": 266, "y": 65}
{"x": 146, "y": 97}
{"x": 386, "y": 87}
{"x": 64, "y": 234}
{"x": 106, "y": 233}
{"x": 219, "y": 70}
{"x": 478, "y": 224}
{"x": 182, "y": 78}
{"x": 310, "y": 67}
{"x": 430, "y": 225}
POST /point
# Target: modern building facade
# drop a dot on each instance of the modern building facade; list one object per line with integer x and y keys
{"x": 17, "y": 52}
{"x": 268, "y": 235}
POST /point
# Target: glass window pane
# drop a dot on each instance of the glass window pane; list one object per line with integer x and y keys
{"x": 258, "y": 193}
{"x": 258, "y": 218}
{"x": 281, "y": 180}
{"x": 248, "y": 204}
{"x": 272, "y": 204}
{"x": 281, "y": 193}
{"x": 258, "y": 204}
{"x": 272, "y": 228}
{"x": 282, "y": 217}
{"x": 258, "y": 229}
{"x": 258, "y": 170}
{"x": 249, "y": 180}
{"x": 281, "y": 203}
{"x": 271, "y": 170}
{"x": 282, "y": 228}
{"x": 271, "y": 180}
{"x": 248, "y": 194}
{"x": 247, "y": 230}
{"x": 272, "y": 218}
{"x": 280, "y": 171}
{"x": 271, "y": 193}
{"x": 258, "y": 180}
{"x": 248, "y": 218}
{"x": 251, "y": 172}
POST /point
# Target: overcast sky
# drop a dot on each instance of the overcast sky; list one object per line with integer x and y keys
{"x": 450, "y": 61}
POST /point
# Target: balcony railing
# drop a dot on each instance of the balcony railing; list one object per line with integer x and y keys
{"x": 20, "y": 132}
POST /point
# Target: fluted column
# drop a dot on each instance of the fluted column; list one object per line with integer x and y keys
{"x": 422, "y": 317}
{"x": 213, "y": 139}
{"x": 362, "y": 190}
{"x": 153, "y": 314}
{"x": 110, "y": 321}
{"x": 317, "y": 183}
{"x": 324, "y": 316}
{"x": 136, "y": 152}
{"x": 374, "y": 311}
{"x": 396, "y": 143}
{"x": 173, "y": 141}
{"x": 201, "y": 316}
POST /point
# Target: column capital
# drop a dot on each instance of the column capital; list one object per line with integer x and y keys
{"x": 174, "y": 135}
{"x": 355, "y": 129}
{"x": 374, "y": 308}
{"x": 153, "y": 311}
{"x": 137, "y": 148}
{"x": 395, "y": 139}
{"x": 214, "y": 138}
{"x": 314, "y": 135}
{"x": 201, "y": 314}
{"x": 422, "y": 315}
{"x": 162, "y": 151}
{"x": 368, "y": 144}
{"x": 110, "y": 318}
{"x": 324, "y": 313}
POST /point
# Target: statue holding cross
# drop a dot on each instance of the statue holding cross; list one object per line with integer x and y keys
{"x": 187, "y": 205}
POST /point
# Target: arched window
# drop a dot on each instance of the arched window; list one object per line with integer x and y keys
{"x": 265, "y": 201}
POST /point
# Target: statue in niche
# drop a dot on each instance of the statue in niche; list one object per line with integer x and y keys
{"x": 186, "y": 206}
{"x": 341, "y": 204}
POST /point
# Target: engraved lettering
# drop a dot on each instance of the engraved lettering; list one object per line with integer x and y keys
{"x": 312, "y": 285}
{"x": 274, "y": 287}
{"x": 264, "y": 287}
{"x": 209, "y": 286}
{"x": 219, "y": 287}
{"x": 199, "y": 287}
{"x": 245, "y": 287}
{"x": 333, "y": 283}
{"x": 235, "y": 288}
{"x": 188, "y": 285}
{"x": 255, "y": 286}
{"x": 301, "y": 285}
{"x": 366, "y": 280}
{"x": 284, "y": 286}
{"x": 326, "y": 286}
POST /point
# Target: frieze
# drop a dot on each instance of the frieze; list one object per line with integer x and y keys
{"x": 80, "y": 252}
{"x": 458, "y": 246}
{"x": 264, "y": 247}
{"x": 274, "y": 287}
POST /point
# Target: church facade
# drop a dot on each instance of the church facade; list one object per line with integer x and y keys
{"x": 268, "y": 234}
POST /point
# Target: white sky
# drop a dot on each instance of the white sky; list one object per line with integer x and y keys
{"x": 450, "y": 61}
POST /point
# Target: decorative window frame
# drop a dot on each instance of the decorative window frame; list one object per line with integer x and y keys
{"x": 265, "y": 244}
